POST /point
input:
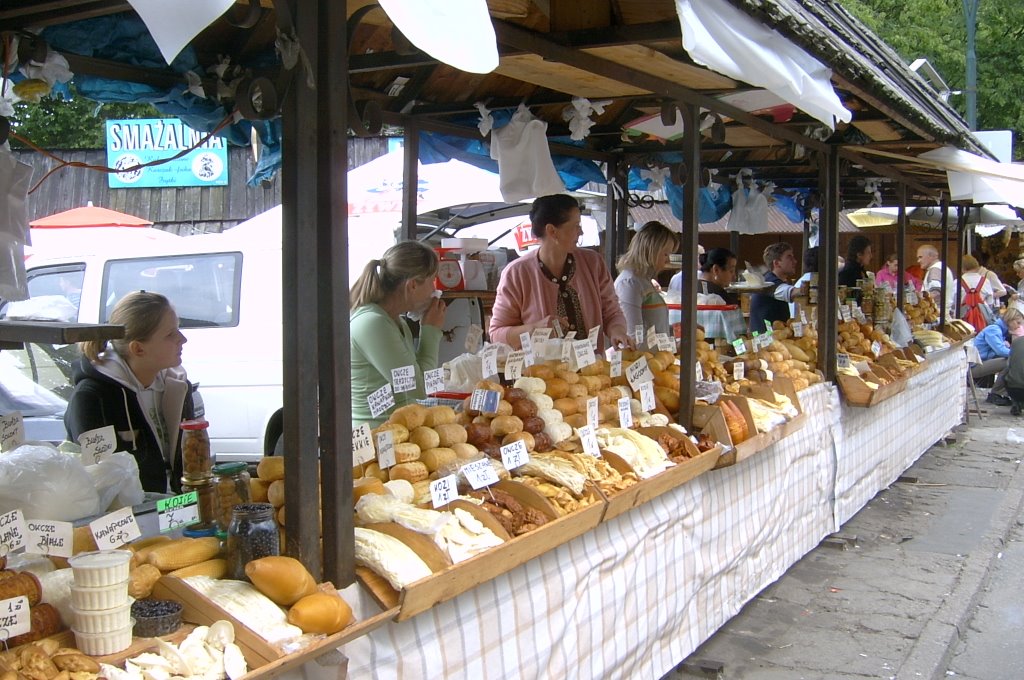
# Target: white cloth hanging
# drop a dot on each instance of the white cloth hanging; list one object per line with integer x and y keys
{"x": 524, "y": 160}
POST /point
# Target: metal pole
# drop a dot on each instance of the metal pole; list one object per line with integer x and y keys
{"x": 901, "y": 245}
{"x": 688, "y": 248}
{"x": 961, "y": 228}
{"x": 828, "y": 252}
{"x": 410, "y": 182}
{"x": 610, "y": 221}
{"x": 945, "y": 242}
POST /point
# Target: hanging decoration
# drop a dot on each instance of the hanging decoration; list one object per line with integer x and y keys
{"x": 578, "y": 116}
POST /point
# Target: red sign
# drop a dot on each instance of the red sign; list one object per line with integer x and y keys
{"x": 525, "y": 237}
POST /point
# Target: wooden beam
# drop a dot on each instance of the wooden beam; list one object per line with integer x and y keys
{"x": 688, "y": 248}
{"x": 828, "y": 254}
{"x": 30, "y": 15}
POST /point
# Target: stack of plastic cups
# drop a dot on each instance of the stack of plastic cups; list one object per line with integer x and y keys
{"x": 100, "y": 605}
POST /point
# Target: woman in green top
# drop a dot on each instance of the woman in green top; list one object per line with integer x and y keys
{"x": 647, "y": 255}
{"x": 400, "y": 282}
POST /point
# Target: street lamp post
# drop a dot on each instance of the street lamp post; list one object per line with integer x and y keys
{"x": 971, "y": 87}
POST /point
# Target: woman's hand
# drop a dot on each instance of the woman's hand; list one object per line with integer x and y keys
{"x": 434, "y": 316}
{"x": 621, "y": 340}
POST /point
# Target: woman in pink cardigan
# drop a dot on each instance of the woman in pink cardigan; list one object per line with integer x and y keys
{"x": 557, "y": 281}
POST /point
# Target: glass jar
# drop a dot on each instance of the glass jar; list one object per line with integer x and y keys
{"x": 195, "y": 449}
{"x": 252, "y": 534}
{"x": 209, "y": 510}
{"x": 232, "y": 488}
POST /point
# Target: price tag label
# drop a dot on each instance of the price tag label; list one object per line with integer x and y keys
{"x": 570, "y": 336}
{"x": 739, "y": 370}
{"x": 443, "y": 491}
{"x": 540, "y": 335}
{"x": 489, "y": 361}
{"x": 12, "y": 530}
{"x": 798, "y": 329}
{"x": 652, "y": 338}
{"x": 844, "y": 311}
{"x": 583, "y": 353}
{"x": 526, "y": 343}
{"x": 385, "y": 449}
{"x": 480, "y": 473}
{"x": 647, "y": 402}
{"x": 615, "y": 362}
{"x": 638, "y": 372}
{"x": 593, "y": 412}
{"x": 698, "y": 372}
{"x": 433, "y": 380}
{"x": 594, "y": 335}
{"x": 381, "y": 400}
{"x": 910, "y": 295}
{"x": 485, "y": 401}
{"x": 858, "y": 314}
{"x": 843, "y": 360}
{"x": 566, "y": 351}
{"x": 638, "y": 334}
{"x": 769, "y": 376}
{"x": 803, "y": 317}
{"x": 97, "y": 444}
{"x": 515, "y": 454}
{"x": 514, "y": 365}
{"x": 739, "y": 346}
{"x": 46, "y": 537}
{"x": 589, "y": 441}
{"x": 768, "y": 326}
{"x": 474, "y": 338}
{"x": 15, "y": 618}
{"x": 362, "y": 445}
{"x": 403, "y": 379}
{"x": 666, "y": 343}
{"x": 755, "y": 341}
{"x": 625, "y": 413}
{"x": 114, "y": 530}
{"x": 876, "y": 348}
{"x": 12, "y": 431}
{"x": 178, "y": 511}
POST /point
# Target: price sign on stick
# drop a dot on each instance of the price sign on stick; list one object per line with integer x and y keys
{"x": 594, "y": 335}
{"x": 739, "y": 370}
{"x": 15, "y": 618}
{"x": 798, "y": 329}
{"x": 625, "y": 413}
{"x": 593, "y": 413}
{"x": 514, "y": 365}
{"x": 583, "y": 353}
{"x": 526, "y": 342}
{"x": 666, "y": 343}
{"x": 485, "y": 401}
{"x": 739, "y": 346}
{"x": 638, "y": 334}
{"x": 480, "y": 473}
{"x": 876, "y": 348}
{"x": 589, "y": 441}
{"x": 12, "y": 431}
{"x": 13, "y": 530}
{"x": 362, "y": 445}
{"x": 97, "y": 444}
{"x": 843, "y": 360}
{"x": 647, "y": 402}
{"x": 385, "y": 449}
{"x": 443, "y": 491}
{"x": 45, "y": 537}
{"x": 489, "y": 361}
{"x": 515, "y": 454}
{"x": 652, "y": 338}
{"x": 540, "y": 335}
{"x": 615, "y": 360}
{"x": 114, "y": 530}
{"x": 639, "y": 372}
{"x": 403, "y": 379}
{"x": 433, "y": 380}
{"x": 381, "y": 400}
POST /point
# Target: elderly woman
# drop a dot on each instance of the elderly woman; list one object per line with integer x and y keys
{"x": 647, "y": 255}
{"x": 557, "y": 282}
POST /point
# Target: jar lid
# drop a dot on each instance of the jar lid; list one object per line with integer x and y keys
{"x": 195, "y": 424}
{"x": 203, "y": 532}
{"x": 229, "y": 468}
{"x": 197, "y": 482}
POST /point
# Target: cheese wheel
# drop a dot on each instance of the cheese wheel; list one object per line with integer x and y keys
{"x": 425, "y": 438}
{"x": 407, "y": 452}
{"x": 366, "y": 485}
{"x": 439, "y": 415}
{"x": 437, "y": 457}
{"x": 465, "y": 451}
{"x": 450, "y": 433}
{"x": 412, "y": 416}
{"x": 399, "y": 432}
{"x": 410, "y": 472}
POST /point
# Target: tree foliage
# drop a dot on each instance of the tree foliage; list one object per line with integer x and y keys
{"x": 936, "y": 30}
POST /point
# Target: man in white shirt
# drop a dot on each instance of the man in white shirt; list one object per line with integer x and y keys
{"x": 934, "y": 269}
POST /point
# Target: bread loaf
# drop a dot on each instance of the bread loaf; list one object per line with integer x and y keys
{"x": 283, "y": 579}
{"x": 270, "y": 468}
{"x": 439, "y": 415}
{"x": 425, "y": 438}
{"x": 275, "y": 493}
{"x": 450, "y": 433}
{"x": 16, "y": 583}
{"x": 320, "y": 613}
{"x": 141, "y": 581}
{"x": 45, "y": 622}
{"x": 366, "y": 485}
{"x": 412, "y": 416}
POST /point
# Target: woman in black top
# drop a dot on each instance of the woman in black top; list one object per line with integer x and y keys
{"x": 718, "y": 271}
{"x": 858, "y": 259}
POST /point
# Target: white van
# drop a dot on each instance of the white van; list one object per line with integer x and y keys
{"x": 234, "y": 337}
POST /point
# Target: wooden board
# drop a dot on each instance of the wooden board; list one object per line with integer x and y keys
{"x": 528, "y": 496}
{"x": 380, "y": 590}
{"x": 648, "y": 489}
{"x": 57, "y": 333}
{"x": 655, "y": 63}
{"x": 534, "y": 69}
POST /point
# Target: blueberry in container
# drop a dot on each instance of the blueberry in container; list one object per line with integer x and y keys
{"x": 156, "y": 617}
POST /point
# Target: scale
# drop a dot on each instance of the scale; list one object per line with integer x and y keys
{"x": 456, "y": 270}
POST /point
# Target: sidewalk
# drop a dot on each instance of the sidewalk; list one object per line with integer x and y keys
{"x": 887, "y": 596}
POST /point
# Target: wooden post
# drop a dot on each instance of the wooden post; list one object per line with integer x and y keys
{"x": 611, "y": 225}
{"x": 688, "y": 248}
{"x": 828, "y": 245}
{"x": 901, "y": 244}
{"x": 410, "y": 181}
{"x": 961, "y": 228}
{"x": 944, "y": 221}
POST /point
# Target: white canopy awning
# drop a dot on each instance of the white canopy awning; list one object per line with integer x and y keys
{"x": 980, "y": 180}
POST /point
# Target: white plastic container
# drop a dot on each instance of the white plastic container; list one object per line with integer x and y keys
{"x": 99, "y": 598}
{"x": 102, "y": 620}
{"x": 101, "y": 644}
{"x": 100, "y": 568}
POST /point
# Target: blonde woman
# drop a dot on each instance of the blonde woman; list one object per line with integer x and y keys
{"x": 400, "y": 282}
{"x": 647, "y": 255}
{"x": 136, "y": 384}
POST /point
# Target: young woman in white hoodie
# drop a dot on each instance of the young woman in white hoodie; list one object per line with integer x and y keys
{"x": 137, "y": 385}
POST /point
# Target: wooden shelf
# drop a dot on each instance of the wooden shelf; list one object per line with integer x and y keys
{"x": 56, "y": 333}
{"x": 462, "y": 294}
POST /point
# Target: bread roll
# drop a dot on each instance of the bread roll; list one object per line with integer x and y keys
{"x": 524, "y": 437}
{"x": 283, "y": 579}
{"x": 439, "y": 415}
{"x": 523, "y": 409}
{"x": 465, "y": 451}
{"x": 258, "y": 489}
{"x": 576, "y": 420}
{"x": 539, "y": 371}
{"x": 275, "y": 493}
{"x": 504, "y": 408}
{"x": 557, "y": 388}
{"x": 425, "y": 438}
{"x": 321, "y": 613}
{"x": 566, "y": 406}
{"x": 412, "y": 416}
{"x": 577, "y": 390}
{"x": 503, "y": 425}
{"x": 450, "y": 433}
{"x": 270, "y": 468}
{"x": 568, "y": 375}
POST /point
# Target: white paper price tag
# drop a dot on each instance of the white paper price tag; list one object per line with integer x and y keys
{"x": 593, "y": 412}
{"x": 803, "y": 317}
{"x": 177, "y": 511}
{"x": 515, "y": 454}
{"x": 647, "y": 402}
{"x": 666, "y": 343}
{"x": 876, "y": 348}
{"x": 739, "y": 346}
{"x": 46, "y": 537}
{"x": 652, "y": 338}
{"x": 540, "y": 335}
{"x": 739, "y": 370}
{"x": 114, "y": 530}
{"x": 97, "y": 444}
{"x": 433, "y": 380}
{"x": 385, "y": 449}
{"x": 403, "y": 379}
{"x": 798, "y": 329}
{"x": 614, "y": 357}
{"x": 489, "y": 361}
{"x": 583, "y": 353}
{"x": 566, "y": 351}
{"x": 480, "y": 473}
{"x": 589, "y": 441}
{"x": 526, "y": 342}
{"x": 844, "y": 311}
{"x": 625, "y": 413}
{"x": 474, "y": 338}
{"x": 638, "y": 372}
{"x": 15, "y": 618}
{"x": 362, "y": 445}
{"x": 514, "y": 365}
{"x": 570, "y": 336}
{"x": 381, "y": 400}
{"x": 12, "y": 530}
{"x": 755, "y": 341}
{"x": 698, "y": 372}
{"x": 528, "y": 359}
{"x": 484, "y": 401}
{"x": 638, "y": 334}
{"x": 910, "y": 296}
{"x": 843, "y": 360}
{"x": 594, "y": 335}
{"x": 443, "y": 491}
{"x": 769, "y": 376}
{"x": 12, "y": 431}
{"x": 858, "y": 314}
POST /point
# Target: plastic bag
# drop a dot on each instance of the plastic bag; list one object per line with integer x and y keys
{"x": 1014, "y": 436}
{"x": 900, "y": 332}
{"x": 117, "y": 483}
{"x": 46, "y": 484}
